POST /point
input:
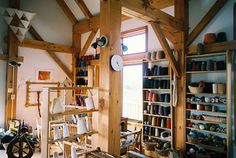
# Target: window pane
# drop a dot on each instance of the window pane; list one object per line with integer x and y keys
{"x": 132, "y": 92}
{"x": 135, "y": 44}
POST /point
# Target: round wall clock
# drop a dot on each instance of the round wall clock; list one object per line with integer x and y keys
{"x": 116, "y": 62}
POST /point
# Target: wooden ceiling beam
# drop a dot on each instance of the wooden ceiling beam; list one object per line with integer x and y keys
{"x": 88, "y": 42}
{"x": 135, "y": 9}
{"x": 205, "y": 20}
{"x": 50, "y": 48}
{"x": 39, "y": 44}
{"x": 84, "y": 8}
{"x": 93, "y": 23}
{"x": 160, "y": 4}
{"x": 165, "y": 46}
{"x": 6, "y": 57}
{"x": 67, "y": 11}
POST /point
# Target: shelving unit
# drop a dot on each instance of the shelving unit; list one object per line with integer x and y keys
{"x": 210, "y": 76}
{"x": 59, "y": 119}
{"x": 155, "y": 121}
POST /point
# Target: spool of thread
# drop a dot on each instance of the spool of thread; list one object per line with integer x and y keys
{"x": 189, "y": 106}
{"x": 163, "y": 123}
{"x": 160, "y": 110}
{"x": 154, "y": 121}
{"x": 168, "y": 123}
{"x": 157, "y": 132}
{"x": 89, "y": 103}
{"x": 151, "y": 109}
{"x": 209, "y": 38}
{"x": 167, "y": 98}
{"x": 158, "y": 121}
{"x": 221, "y": 88}
{"x": 154, "y": 97}
{"x": 150, "y": 96}
{"x": 214, "y": 88}
{"x": 153, "y": 55}
{"x": 203, "y": 66}
{"x": 200, "y": 48}
{"x": 148, "y": 56}
{"x": 221, "y": 37}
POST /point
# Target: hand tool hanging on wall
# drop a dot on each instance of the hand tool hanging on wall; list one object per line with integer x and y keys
{"x": 38, "y": 100}
{"x": 12, "y": 63}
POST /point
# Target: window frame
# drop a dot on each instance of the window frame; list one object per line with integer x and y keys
{"x": 135, "y": 58}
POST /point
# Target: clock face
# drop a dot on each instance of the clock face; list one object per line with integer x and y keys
{"x": 116, "y": 62}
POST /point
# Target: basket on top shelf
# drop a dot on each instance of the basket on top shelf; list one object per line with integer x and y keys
{"x": 196, "y": 87}
{"x": 214, "y": 118}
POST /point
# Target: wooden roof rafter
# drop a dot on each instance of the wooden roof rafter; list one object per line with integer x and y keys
{"x": 51, "y": 53}
{"x": 136, "y": 9}
{"x": 84, "y": 8}
{"x": 168, "y": 52}
{"x": 205, "y": 20}
{"x": 67, "y": 11}
{"x": 160, "y": 4}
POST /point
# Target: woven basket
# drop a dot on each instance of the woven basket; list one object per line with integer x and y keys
{"x": 195, "y": 89}
{"x": 214, "y": 118}
{"x": 149, "y": 146}
{"x": 162, "y": 152}
{"x": 192, "y": 140}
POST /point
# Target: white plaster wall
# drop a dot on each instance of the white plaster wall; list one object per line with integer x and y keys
{"x": 50, "y": 21}
{"x": 3, "y": 45}
{"x": 35, "y": 59}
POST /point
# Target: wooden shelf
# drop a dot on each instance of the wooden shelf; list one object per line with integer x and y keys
{"x": 73, "y": 136}
{"x": 151, "y": 102}
{"x": 206, "y": 131}
{"x": 75, "y": 112}
{"x": 206, "y": 55}
{"x": 81, "y": 68}
{"x": 160, "y": 76}
{"x": 203, "y": 121}
{"x": 217, "y": 149}
{"x": 81, "y": 76}
{"x": 209, "y": 94}
{"x": 212, "y": 71}
{"x": 167, "y": 129}
{"x": 168, "y": 140}
{"x": 194, "y": 110}
{"x": 204, "y": 103}
{"x": 158, "y": 60}
{"x": 155, "y": 89}
{"x": 157, "y": 115}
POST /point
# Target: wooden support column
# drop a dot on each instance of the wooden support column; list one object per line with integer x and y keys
{"x": 110, "y": 85}
{"x": 13, "y": 44}
{"x": 181, "y": 12}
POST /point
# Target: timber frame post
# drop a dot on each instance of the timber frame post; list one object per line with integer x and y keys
{"x": 181, "y": 12}
{"x": 13, "y": 54}
{"x": 110, "y": 84}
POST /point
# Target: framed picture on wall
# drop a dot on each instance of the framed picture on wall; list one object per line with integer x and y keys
{"x": 44, "y": 75}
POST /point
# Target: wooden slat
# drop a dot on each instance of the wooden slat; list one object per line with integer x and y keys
{"x": 206, "y": 20}
{"x": 6, "y": 57}
{"x": 215, "y": 47}
{"x": 169, "y": 55}
{"x": 87, "y": 25}
{"x": 37, "y": 44}
{"x": 135, "y": 9}
{"x": 160, "y": 4}
{"x": 88, "y": 42}
{"x": 84, "y": 8}
{"x": 67, "y": 11}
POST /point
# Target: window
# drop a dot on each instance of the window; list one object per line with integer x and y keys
{"x": 135, "y": 40}
{"x": 132, "y": 92}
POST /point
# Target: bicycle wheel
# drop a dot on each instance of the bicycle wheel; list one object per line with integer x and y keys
{"x": 20, "y": 148}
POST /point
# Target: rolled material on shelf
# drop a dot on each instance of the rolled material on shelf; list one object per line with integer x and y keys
{"x": 57, "y": 106}
{"x": 89, "y": 103}
{"x": 81, "y": 126}
{"x": 88, "y": 123}
{"x": 73, "y": 152}
{"x": 57, "y": 133}
{"x": 65, "y": 130}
